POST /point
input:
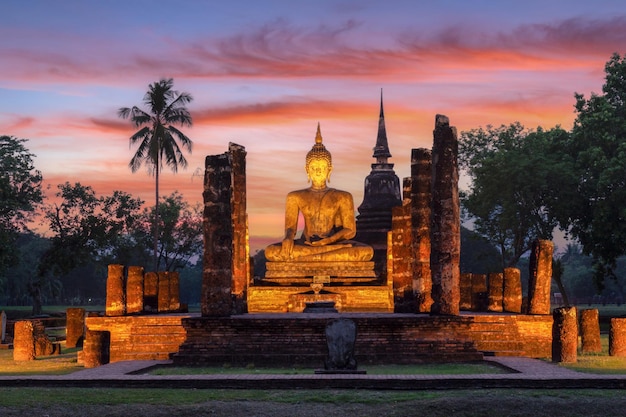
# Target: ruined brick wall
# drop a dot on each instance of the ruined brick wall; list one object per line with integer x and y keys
{"x": 402, "y": 253}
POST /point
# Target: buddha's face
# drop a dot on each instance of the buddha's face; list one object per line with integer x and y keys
{"x": 318, "y": 171}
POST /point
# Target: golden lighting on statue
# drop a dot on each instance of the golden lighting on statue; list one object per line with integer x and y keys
{"x": 329, "y": 221}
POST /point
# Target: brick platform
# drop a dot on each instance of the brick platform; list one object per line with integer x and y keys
{"x": 298, "y": 339}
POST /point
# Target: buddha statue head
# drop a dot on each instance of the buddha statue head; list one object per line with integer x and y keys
{"x": 319, "y": 162}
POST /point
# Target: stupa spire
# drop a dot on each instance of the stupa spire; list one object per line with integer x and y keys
{"x": 381, "y": 150}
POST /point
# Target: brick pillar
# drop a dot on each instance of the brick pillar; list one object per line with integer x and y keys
{"x": 446, "y": 220}
{"x": 217, "y": 274}
{"x": 134, "y": 290}
{"x": 564, "y": 335}
{"x": 404, "y": 301}
{"x": 23, "y": 341}
{"x": 150, "y": 291}
{"x": 174, "y": 291}
{"x": 421, "y": 167}
{"x": 116, "y": 291}
{"x": 466, "y": 292}
{"x": 590, "y": 331}
{"x": 74, "y": 327}
{"x": 479, "y": 292}
{"x": 496, "y": 290}
{"x": 617, "y": 337}
{"x": 164, "y": 292}
{"x": 241, "y": 247}
{"x": 96, "y": 351}
{"x": 512, "y": 293}
{"x": 540, "y": 269}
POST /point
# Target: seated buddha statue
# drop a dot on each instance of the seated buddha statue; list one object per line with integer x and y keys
{"x": 329, "y": 222}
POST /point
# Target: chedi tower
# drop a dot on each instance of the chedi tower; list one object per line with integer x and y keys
{"x": 381, "y": 194}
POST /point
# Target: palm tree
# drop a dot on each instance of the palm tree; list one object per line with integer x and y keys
{"x": 158, "y": 138}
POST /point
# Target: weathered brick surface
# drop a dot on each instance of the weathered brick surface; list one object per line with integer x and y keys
{"x": 446, "y": 220}
{"x": 75, "y": 327}
{"x": 617, "y": 337}
{"x": 466, "y": 292}
{"x": 96, "y": 350}
{"x": 590, "y": 331}
{"x": 421, "y": 194}
{"x": 540, "y": 269}
{"x": 512, "y": 293}
{"x": 564, "y": 335}
{"x": 134, "y": 290}
{"x": 23, "y": 341}
{"x": 116, "y": 294}
{"x": 496, "y": 291}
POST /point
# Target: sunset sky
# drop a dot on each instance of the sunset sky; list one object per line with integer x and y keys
{"x": 264, "y": 73}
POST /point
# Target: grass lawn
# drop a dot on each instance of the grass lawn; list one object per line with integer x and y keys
{"x": 47, "y": 365}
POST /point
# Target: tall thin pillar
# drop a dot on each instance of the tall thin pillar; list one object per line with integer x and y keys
{"x": 446, "y": 220}
{"x": 421, "y": 194}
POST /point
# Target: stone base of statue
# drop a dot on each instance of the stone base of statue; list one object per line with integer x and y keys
{"x": 344, "y": 272}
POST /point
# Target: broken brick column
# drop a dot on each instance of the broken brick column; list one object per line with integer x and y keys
{"x": 479, "y": 292}
{"x": 404, "y": 301}
{"x": 446, "y": 220}
{"x": 241, "y": 247}
{"x": 74, "y": 327}
{"x": 116, "y": 291}
{"x": 512, "y": 291}
{"x": 495, "y": 289}
{"x": 466, "y": 291}
{"x": 163, "y": 298}
{"x": 150, "y": 291}
{"x": 134, "y": 290}
{"x": 540, "y": 269}
{"x": 24, "y": 341}
{"x": 96, "y": 349}
{"x": 617, "y": 337}
{"x": 421, "y": 167}
{"x": 590, "y": 331}
{"x": 564, "y": 335}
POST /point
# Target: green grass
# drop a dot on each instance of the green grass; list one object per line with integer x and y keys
{"x": 46, "y": 365}
{"x": 421, "y": 369}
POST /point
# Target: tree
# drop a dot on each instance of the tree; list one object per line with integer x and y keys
{"x": 158, "y": 137}
{"x": 20, "y": 195}
{"x": 180, "y": 226}
{"x": 512, "y": 174}
{"x": 592, "y": 205}
{"x": 87, "y": 230}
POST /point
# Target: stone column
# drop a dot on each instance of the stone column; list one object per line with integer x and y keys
{"x": 590, "y": 331}
{"x": 151, "y": 291}
{"x": 164, "y": 292}
{"x": 421, "y": 167}
{"x": 466, "y": 292}
{"x": 96, "y": 351}
{"x": 564, "y": 335}
{"x": 174, "y": 291}
{"x": 23, "y": 341}
{"x": 540, "y": 277}
{"x": 496, "y": 290}
{"x": 446, "y": 220}
{"x": 617, "y": 337}
{"x": 74, "y": 327}
{"x": 116, "y": 294}
{"x": 404, "y": 301}
{"x": 241, "y": 247}
{"x": 217, "y": 274}
{"x": 479, "y": 292}
{"x": 512, "y": 293}
{"x": 134, "y": 290}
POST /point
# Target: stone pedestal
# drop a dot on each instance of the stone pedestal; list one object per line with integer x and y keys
{"x": 512, "y": 293}
{"x": 564, "y": 335}
{"x": 617, "y": 337}
{"x": 75, "y": 327}
{"x": 540, "y": 269}
{"x": 590, "y": 331}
